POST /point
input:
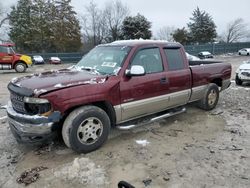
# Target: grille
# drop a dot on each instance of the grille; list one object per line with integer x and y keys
{"x": 246, "y": 74}
{"x": 17, "y": 102}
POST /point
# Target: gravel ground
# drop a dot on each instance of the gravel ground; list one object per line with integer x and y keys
{"x": 193, "y": 149}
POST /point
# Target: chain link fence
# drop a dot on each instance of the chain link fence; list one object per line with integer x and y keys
{"x": 191, "y": 49}
{"x": 220, "y": 48}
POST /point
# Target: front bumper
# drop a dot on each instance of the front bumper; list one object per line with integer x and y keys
{"x": 244, "y": 76}
{"x": 32, "y": 128}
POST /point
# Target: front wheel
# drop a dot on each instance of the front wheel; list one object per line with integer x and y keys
{"x": 20, "y": 67}
{"x": 86, "y": 129}
{"x": 210, "y": 98}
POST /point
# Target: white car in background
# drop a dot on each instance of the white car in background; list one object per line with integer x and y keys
{"x": 244, "y": 51}
{"x": 243, "y": 73}
{"x": 192, "y": 57}
{"x": 37, "y": 59}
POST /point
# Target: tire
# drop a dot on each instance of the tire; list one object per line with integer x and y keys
{"x": 239, "y": 53}
{"x": 86, "y": 129}
{"x": 238, "y": 81}
{"x": 210, "y": 98}
{"x": 20, "y": 67}
{"x": 247, "y": 53}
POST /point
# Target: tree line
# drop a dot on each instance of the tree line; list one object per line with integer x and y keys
{"x": 54, "y": 26}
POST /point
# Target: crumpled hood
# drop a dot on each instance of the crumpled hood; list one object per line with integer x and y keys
{"x": 245, "y": 66}
{"x": 54, "y": 80}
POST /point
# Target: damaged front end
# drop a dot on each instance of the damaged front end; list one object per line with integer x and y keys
{"x": 31, "y": 119}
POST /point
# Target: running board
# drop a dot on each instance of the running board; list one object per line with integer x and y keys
{"x": 157, "y": 118}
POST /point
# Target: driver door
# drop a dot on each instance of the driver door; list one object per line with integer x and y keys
{"x": 142, "y": 95}
{"x": 5, "y": 55}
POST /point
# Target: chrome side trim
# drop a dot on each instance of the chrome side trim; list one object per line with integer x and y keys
{"x": 131, "y": 110}
{"x": 127, "y": 127}
{"x": 198, "y": 93}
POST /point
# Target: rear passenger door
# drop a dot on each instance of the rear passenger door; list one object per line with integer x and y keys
{"x": 178, "y": 76}
{"x": 142, "y": 95}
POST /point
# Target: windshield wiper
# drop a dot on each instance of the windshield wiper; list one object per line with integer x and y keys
{"x": 90, "y": 69}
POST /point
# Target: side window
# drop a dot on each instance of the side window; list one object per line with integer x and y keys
{"x": 174, "y": 58}
{"x": 150, "y": 59}
{"x": 4, "y": 49}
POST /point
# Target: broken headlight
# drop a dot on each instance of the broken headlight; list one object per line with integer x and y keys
{"x": 37, "y": 105}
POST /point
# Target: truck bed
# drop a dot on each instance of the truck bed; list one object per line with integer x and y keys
{"x": 204, "y": 72}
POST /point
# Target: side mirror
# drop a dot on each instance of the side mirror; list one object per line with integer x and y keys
{"x": 136, "y": 70}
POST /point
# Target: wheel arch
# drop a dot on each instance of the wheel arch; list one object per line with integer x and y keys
{"x": 19, "y": 61}
{"x": 217, "y": 81}
{"x": 104, "y": 105}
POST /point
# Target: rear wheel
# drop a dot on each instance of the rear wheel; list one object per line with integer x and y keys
{"x": 86, "y": 129}
{"x": 211, "y": 97}
{"x": 238, "y": 81}
{"x": 20, "y": 67}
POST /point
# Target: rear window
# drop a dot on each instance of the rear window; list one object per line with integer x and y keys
{"x": 174, "y": 58}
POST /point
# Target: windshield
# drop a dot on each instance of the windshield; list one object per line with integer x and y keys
{"x": 11, "y": 51}
{"x": 104, "y": 59}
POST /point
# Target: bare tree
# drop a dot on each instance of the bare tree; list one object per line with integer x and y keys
{"x": 3, "y": 15}
{"x": 236, "y": 30}
{"x": 166, "y": 33}
{"x": 4, "y": 27}
{"x": 94, "y": 25}
{"x": 115, "y": 12}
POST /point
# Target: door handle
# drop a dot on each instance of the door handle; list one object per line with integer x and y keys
{"x": 163, "y": 80}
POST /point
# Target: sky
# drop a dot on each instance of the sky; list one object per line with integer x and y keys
{"x": 175, "y": 12}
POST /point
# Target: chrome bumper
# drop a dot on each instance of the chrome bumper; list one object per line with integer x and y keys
{"x": 28, "y": 128}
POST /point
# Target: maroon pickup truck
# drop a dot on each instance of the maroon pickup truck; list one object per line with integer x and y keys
{"x": 123, "y": 84}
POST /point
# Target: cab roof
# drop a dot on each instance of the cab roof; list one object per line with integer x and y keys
{"x": 138, "y": 42}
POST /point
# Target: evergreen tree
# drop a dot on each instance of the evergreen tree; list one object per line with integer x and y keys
{"x": 181, "y": 36}
{"x": 136, "y": 27}
{"x": 66, "y": 27}
{"x": 202, "y": 27}
{"x": 20, "y": 21}
{"x": 44, "y": 25}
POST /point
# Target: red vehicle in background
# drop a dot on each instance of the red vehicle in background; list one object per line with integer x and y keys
{"x": 55, "y": 60}
{"x": 10, "y": 60}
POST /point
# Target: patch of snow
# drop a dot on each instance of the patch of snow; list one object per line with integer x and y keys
{"x": 142, "y": 142}
{"x": 39, "y": 91}
{"x": 59, "y": 85}
{"x": 13, "y": 80}
{"x": 4, "y": 117}
{"x": 3, "y": 107}
{"x": 82, "y": 170}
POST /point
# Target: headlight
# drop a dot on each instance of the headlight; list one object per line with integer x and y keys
{"x": 35, "y": 100}
{"x": 37, "y": 105}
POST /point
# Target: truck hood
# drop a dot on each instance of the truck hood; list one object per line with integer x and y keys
{"x": 54, "y": 80}
{"x": 245, "y": 66}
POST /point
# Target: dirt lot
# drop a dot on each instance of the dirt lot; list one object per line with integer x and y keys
{"x": 194, "y": 149}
